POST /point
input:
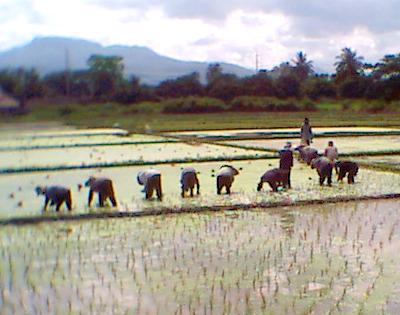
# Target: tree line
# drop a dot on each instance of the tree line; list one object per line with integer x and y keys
{"x": 104, "y": 81}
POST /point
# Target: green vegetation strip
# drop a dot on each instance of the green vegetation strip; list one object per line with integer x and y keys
{"x": 195, "y": 209}
{"x": 133, "y": 163}
{"x": 80, "y": 145}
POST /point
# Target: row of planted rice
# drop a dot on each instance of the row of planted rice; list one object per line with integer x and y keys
{"x": 346, "y": 145}
{"x": 283, "y": 132}
{"x": 17, "y": 190}
{"x": 326, "y": 259}
{"x": 118, "y": 154}
{"x": 389, "y": 162}
{"x": 31, "y": 143}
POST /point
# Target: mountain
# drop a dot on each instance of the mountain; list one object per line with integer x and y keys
{"x": 52, "y": 54}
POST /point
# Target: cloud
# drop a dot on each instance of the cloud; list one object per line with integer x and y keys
{"x": 310, "y": 17}
{"x": 225, "y": 30}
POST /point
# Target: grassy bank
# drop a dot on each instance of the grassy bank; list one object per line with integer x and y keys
{"x": 150, "y": 116}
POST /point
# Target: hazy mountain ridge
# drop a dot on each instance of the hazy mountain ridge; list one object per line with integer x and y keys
{"x": 53, "y": 54}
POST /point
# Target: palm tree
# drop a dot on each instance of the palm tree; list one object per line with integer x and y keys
{"x": 302, "y": 67}
{"x": 349, "y": 65}
{"x": 388, "y": 68}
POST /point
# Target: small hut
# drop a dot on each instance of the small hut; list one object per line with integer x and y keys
{"x": 8, "y": 104}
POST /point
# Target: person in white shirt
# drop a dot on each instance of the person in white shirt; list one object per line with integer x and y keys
{"x": 151, "y": 180}
{"x": 225, "y": 178}
{"x": 189, "y": 180}
{"x": 331, "y": 152}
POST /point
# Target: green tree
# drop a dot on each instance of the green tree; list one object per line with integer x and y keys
{"x": 258, "y": 85}
{"x": 386, "y": 76}
{"x": 319, "y": 86}
{"x": 349, "y": 65}
{"x": 130, "y": 91}
{"x": 226, "y": 87}
{"x": 389, "y": 67}
{"x": 303, "y": 68}
{"x": 21, "y": 83}
{"x": 187, "y": 85}
{"x": 106, "y": 74}
{"x": 214, "y": 72}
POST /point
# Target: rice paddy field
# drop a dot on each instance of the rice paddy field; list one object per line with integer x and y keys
{"x": 30, "y": 143}
{"x": 19, "y": 199}
{"x": 298, "y": 251}
{"x": 325, "y": 259}
{"x": 391, "y": 162}
{"x": 283, "y": 132}
{"x": 347, "y": 145}
{"x": 101, "y": 155}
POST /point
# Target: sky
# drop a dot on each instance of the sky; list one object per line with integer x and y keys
{"x": 215, "y": 30}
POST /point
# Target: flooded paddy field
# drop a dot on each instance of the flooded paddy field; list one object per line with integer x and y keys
{"x": 326, "y": 259}
{"x": 389, "y": 162}
{"x": 57, "y": 132}
{"x": 331, "y": 258}
{"x": 19, "y": 200}
{"x": 30, "y": 143}
{"x": 283, "y": 132}
{"x": 346, "y": 145}
{"x": 102, "y": 155}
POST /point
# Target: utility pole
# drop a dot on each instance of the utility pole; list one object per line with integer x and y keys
{"x": 256, "y": 62}
{"x": 67, "y": 73}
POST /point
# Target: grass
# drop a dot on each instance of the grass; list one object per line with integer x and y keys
{"x": 148, "y": 117}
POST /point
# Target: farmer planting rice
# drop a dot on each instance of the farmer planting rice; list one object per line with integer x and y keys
{"x": 347, "y": 167}
{"x": 103, "y": 187}
{"x": 306, "y": 153}
{"x": 56, "y": 195}
{"x": 286, "y": 162}
{"x": 331, "y": 152}
{"x": 151, "y": 180}
{"x": 225, "y": 177}
{"x": 189, "y": 180}
{"x": 324, "y": 169}
{"x": 275, "y": 178}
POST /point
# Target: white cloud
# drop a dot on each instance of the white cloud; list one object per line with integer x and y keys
{"x": 204, "y": 30}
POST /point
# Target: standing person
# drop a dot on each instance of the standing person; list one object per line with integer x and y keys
{"x": 306, "y": 132}
{"x": 286, "y": 161}
{"x": 331, "y": 152}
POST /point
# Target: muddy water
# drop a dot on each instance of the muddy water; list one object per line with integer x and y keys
{"x": 338, "y": 259}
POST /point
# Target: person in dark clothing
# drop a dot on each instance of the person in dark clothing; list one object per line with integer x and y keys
{"x": 275, "y": 178}
{"x": 56, "y": 195}
{"x": 324, "y": 169}
{"x": 306, "y": 132}
{"x": 286, "y": 161}
{"x": 104, "y": 189}
{"x": 347, "y": 167}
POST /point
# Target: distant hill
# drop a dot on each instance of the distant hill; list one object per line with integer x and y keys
{"x": 49, "y": 54}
